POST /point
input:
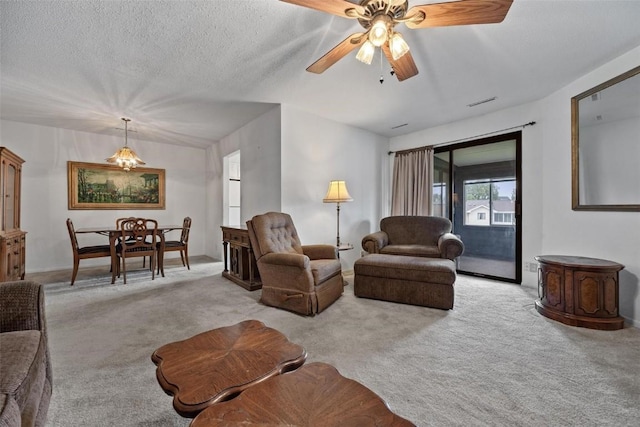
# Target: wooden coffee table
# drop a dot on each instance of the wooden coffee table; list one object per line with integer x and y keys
{"x": 313, "y": 395}
{"x": 217, "y": 365}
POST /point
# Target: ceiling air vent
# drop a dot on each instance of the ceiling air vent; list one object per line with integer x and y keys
{"x": 399, "y": 126}
{"x": 484, "y": 101}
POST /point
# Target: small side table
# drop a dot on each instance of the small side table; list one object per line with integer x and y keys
{"x": 344, "y": 247}
{"x": 579, "y": 291}
{"x": 216, "y": 365}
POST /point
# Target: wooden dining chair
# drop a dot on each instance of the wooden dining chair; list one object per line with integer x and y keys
{"x": 118, "y": 221}
{"x": 84, "y": 252}
{"x": 181, "y": 245}
{"x": 138, "y": 238}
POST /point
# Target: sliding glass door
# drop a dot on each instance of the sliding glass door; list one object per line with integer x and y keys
{"x": 477, "y": 185}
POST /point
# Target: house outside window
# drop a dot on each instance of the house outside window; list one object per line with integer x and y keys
{"x": 489, "y": 202}
{"x": 503, "y": 218}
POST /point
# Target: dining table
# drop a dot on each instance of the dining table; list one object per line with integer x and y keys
{"x": 114, "y": 232}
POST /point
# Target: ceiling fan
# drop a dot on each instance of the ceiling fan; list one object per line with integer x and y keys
{"x": 379, "y": 18}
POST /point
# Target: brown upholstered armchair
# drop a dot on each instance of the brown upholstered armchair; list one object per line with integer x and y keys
{"x": 422, "y": 236}
{"x": 303, "y": 279}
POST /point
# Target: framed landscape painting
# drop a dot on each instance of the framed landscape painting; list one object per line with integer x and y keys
{"x": 98, "y": 186}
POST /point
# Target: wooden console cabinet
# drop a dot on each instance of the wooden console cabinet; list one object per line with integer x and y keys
{"x": 237, "y": 249}
{"x": 579, "y": 291}
{"x": 12, "y": 239}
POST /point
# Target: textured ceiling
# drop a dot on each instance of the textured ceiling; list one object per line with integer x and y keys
{"x": 192, "y": 72}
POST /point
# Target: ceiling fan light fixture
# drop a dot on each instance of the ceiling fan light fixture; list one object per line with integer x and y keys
{"x": 379, "y": 32}
{"x": 398, "y": 46}
{"x": 365, "y": 54}
{"x": 379, "y": 18}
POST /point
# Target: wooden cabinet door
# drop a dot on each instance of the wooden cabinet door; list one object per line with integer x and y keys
{"x": 551, "y": 287}
{"x": 12, "y": 252}
{"x": 595, "y": 294}
{"x": 12, "y": 239}
{"x": 10, "y": 187}
{"x": 21, "y": 257}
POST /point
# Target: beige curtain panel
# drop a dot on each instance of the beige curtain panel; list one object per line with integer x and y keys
{"x": 412, "y": 186}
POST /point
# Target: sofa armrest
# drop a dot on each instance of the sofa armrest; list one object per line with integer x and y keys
{"x": 21, "y": 306}
{"x": 373, "y": 242}
{"x": 450, "y": 246}
{"x": 320, "y": 251}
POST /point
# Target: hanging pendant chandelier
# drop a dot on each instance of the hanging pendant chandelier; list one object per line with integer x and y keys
{"x": 125, "y": 157}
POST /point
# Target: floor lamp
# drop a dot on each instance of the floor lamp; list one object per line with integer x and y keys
{"x": 337, "y": 194}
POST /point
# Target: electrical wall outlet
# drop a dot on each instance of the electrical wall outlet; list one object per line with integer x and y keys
{"x": 531, "y": 267}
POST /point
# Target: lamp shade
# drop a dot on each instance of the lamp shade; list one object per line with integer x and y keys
{"x": 337, "y": 193}
{"x": 379, "y": 31}
{"x": 365, "y": 54}
{"x": 125, "y": 157}
{"x": 398, "y": 46}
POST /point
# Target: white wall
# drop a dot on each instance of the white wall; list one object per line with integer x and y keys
{"x": 550, "y": 226}
{"x": 288, "y": 158}
{"x": 46, "y": 151}
{"x": 259, "y": 145}
{"x": 609, "y": 235}
{"x": 260, "y": 151}
{"x": 316, "y": 151}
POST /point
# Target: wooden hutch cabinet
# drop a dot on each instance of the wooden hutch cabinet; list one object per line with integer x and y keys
{"x": 243, "y": 270}
{"x": 12, "y": 239}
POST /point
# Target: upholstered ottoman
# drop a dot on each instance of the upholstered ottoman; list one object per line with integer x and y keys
{"x": 409, "y": 280}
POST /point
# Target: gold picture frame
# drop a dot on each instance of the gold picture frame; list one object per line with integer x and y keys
{"x": 98, "y": 186}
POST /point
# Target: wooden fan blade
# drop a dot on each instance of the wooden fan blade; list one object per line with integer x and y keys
{"x": 403, "y": 67}
{"x": 462, "y": 12}
{"x": 334, "y": 7}
{"x": 337, "y": 53}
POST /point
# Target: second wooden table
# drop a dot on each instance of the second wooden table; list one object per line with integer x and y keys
{"x": 217, "y": 365}
{"x": 314, "y": 395}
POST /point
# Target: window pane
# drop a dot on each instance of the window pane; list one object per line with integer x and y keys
{"x": 439, "y": 198}
{"x": 503, "y": 196}
{"x": 440, "y": 201}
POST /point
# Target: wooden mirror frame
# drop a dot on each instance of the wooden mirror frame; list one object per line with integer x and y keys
{"x": 575, "y": 148}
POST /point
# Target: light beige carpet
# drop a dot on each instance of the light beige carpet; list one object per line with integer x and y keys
{"x": 491, "y": 361}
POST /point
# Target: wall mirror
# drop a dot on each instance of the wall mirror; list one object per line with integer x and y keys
{"x": 605, "y": 145}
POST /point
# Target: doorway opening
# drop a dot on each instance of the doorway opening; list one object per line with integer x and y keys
{"x": 232, "y": 199}
{"x": 477, "y": 185}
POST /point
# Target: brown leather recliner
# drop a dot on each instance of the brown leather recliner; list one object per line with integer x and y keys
{"x": 303, "y": 279}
